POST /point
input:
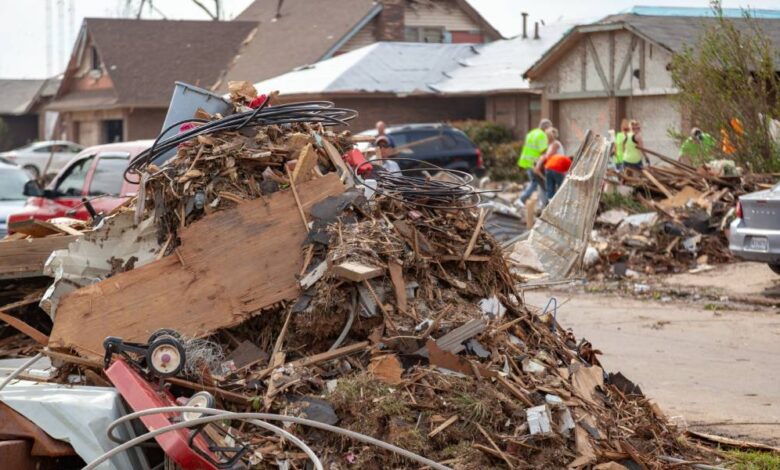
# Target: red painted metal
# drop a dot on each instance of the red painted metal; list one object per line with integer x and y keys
{"x": 141, "y": 395}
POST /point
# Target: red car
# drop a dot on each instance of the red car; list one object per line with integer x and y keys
{"x": 96, "y": 173}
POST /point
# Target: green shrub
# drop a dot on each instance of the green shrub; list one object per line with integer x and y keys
{"x": 485, "y": 132}
{"x": 498, "y": 146}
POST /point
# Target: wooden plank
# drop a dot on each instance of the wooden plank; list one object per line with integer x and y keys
{"x": 39, "y": 337}
{"x": 235, "y": 263}
{"x": 307, "y": 158}
{"x": 35, "y": 228}
{"x": 356, "y": 272}
{"x": 399, "y": 285}
{"x": 658, "y": 184}
{"x": 25, "y": 258}
{"x": 338, "y": 162}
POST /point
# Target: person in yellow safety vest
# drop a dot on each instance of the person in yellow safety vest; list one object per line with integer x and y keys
{"x": 632, "y": 154}
{"x": 620, "y": 143}
{"x": 534, "y": 146}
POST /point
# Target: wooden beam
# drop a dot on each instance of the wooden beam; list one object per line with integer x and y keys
{"x": 642, "y": 74}
{"x": 626, "y": 62}
{"x": 39, "y": 337}
{"x": 612, "y": 61}
{"x": 658, "y": 184}
{"x": 597, "y": 62}
{"x": 25, "y": 258}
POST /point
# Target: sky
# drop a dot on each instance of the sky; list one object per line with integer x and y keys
{"x": 24, "y": 40}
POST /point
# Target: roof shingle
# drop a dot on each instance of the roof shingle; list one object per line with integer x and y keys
{"x": 145, "y": 57}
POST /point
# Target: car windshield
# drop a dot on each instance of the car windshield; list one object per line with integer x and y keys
{"x": 12, "y": 183}
{"x": 776, "y": 188}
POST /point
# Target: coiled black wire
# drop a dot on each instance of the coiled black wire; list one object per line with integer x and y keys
{"x": 316, "y": 112}
{"x": 414, "y": 185}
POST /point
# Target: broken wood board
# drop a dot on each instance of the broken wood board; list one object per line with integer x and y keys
{"x": 25, "y": 258}
{"x": 231, "y": 264}
{"x": 35, "y": 228}
{"x": 399, "y": 285}
{"x": 307, "y": 159}
{"x": 356, "y": 272}
{"x": 387, "y": 369}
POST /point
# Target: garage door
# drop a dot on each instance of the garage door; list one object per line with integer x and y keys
{"x": 577, "y": 116}
{"x": 657, "y": 114}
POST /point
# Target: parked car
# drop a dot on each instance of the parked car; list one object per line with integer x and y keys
{"x": 440, "y": 144}
{"x": 34, "y": 157}
{"x": 755, "y": 234}
{"x": 12, "y": 182}
{"x": 96, "y": 173}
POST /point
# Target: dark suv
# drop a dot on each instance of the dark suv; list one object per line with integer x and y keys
{"x": 440, "y": 144}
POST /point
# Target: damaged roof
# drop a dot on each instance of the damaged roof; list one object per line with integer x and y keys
{"x": 420, "y": 68}
{"x": 19, "y": 96}
{"x": 383, "y": 67}
{"x": 143, "y": 58}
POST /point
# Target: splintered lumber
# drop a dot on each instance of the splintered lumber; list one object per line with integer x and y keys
{"x": 25, "y": 258}
{"x": 233, "y": 264}
{"x": 307, "y": 159}
{"x": 35, "y": 228}
{"x": 20, "y": 325}
{"x": 356, "y": 272}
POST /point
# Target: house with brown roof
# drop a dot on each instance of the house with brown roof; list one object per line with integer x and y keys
{"x": 294, "y": 33}
{"x": 22, "y": 119}
{"x": 121, "y": 73}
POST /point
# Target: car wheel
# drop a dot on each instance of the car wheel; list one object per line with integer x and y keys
{"x": 32, "y": 170}
{"x": 775, "y": 268}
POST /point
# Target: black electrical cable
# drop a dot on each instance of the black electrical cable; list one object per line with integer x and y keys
{"x": 316, "y": 112}
{"x": 422, "y": 191}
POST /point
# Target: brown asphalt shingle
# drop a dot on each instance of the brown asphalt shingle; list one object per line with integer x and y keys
{"x": 145, "y": 57}
{"x": 304, "y": 32}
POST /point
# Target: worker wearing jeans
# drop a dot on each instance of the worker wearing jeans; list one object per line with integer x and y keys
{"x": 554, "y": 164}
{"x": 534, "y": 146}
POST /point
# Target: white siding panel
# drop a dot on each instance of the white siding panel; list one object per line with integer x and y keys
{"x": 440, "y": 13}
{"x": 364, "y": 37}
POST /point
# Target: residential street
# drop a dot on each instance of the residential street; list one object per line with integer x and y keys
{"x": 702, "y": 366}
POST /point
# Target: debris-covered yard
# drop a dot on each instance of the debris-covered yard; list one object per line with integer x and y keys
{"x": 263, "y": 302}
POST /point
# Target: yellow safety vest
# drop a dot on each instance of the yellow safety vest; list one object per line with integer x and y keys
{"x": 620, "y": 142}
{"x": 534, "y": 146}
{"x": 631, "y": 153}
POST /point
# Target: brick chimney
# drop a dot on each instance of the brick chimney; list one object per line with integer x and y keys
{"x": 390, "y": 23}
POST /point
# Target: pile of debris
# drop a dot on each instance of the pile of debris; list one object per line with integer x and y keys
{"x": 667, "y": 218}
{"x": 293, "y": 291}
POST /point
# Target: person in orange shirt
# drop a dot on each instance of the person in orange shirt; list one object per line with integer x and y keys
{"x": 726, "y": 145}
{"x": 554, "y": 163}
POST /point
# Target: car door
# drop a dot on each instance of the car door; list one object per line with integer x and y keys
{"x": 106, "y": 181}
{"x": 70, "y": 187}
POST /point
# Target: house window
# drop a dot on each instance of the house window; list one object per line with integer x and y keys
{"x": 112, "y": 131}
{"x": 94, "y": 59}
{"x": 425, "y": 34}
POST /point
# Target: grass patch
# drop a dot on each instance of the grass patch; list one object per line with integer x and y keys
{"x": 753, "y": 460}
{"x": 716, "y": 307}
{"x": 615, "y": 200}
